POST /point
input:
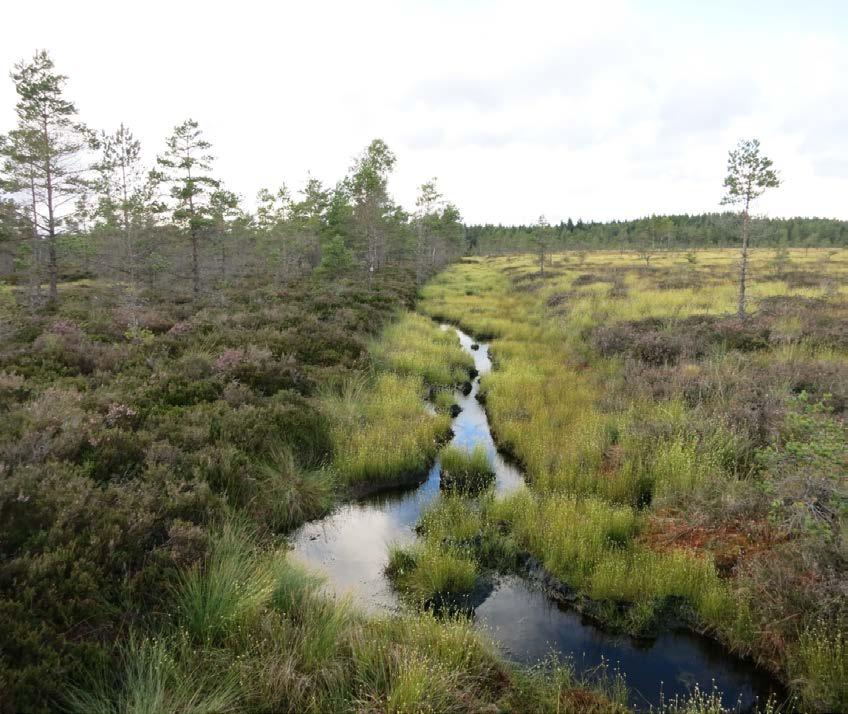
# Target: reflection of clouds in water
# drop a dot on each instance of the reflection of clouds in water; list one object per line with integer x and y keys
{"x": 351, "y": 546}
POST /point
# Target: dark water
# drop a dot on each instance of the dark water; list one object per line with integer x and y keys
{"x": 528, "y": 626}
{"x": 350, "y": 547}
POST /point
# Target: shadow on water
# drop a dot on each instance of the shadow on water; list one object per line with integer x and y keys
{"x": 350, "y": 547}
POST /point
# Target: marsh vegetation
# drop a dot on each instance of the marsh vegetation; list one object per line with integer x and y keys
{"x": 682, "y": 462}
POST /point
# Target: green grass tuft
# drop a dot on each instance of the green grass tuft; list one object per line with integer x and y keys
{"x": 156, "y": 676}
{"x": 229, "y": 589}
{"x": 427, "y": 572}
{"x": 466, "y": 471}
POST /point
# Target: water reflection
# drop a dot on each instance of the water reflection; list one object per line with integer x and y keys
{"x": 350, "y": 545}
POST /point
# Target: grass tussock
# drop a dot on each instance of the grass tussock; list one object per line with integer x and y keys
{"x": 382, "y": 432}
{"x": 291, "y": 494}
{"x": 464, "y": 470}
{"x": 156, "y": 676}
{"x": 414, "y": 345}
{"x": 431, "y": 575}
{"x": 227, "y": 591}
{"x": 822, "y": 656}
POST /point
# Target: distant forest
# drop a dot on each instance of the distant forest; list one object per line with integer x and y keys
{"x": 707, "y": 230}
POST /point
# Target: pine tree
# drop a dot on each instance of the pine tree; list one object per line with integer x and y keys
{"x": 126, "y": 208}
{"x": 44, "y": 155}
{"x": 367, "y": 186}
{"x": 749, "y": 174}
{"x": 184, "y": 166}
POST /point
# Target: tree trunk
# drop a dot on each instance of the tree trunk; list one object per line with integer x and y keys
{"x": 419, "y": 253}
{"x": 195, "y": 267}
{"x": 52, "y": 266}
{"x": 52, "y": 270}
{"x": 743, "y": 265}
{"x": 35, "y": 268}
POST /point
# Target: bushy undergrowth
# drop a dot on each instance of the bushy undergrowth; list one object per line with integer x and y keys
{"x": 675, "y": 454}
{"x": 148, "y": 473}
{"x": 118, "y": 448}
{"x": 126, "y": 450}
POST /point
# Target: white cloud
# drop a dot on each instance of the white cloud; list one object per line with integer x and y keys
{"x": 599, "y": 110}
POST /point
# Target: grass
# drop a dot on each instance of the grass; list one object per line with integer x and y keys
{"x": 414, "y": 345}
{"x": 632, "y": 398}
{"x": 382, "y": 432}
{"x": 464, "y": 470}
{"x": 156, "y": 677}
{"x": 429, "y": 574}
{"x": 451, "y": 517}
{"x": 292, "y": 494}
{"x": 822, "y": 656}
{"x": 229, "y": 590}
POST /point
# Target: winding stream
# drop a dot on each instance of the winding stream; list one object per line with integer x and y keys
{"x": 350, "y": 547}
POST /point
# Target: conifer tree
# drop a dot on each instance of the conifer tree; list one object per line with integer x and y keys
{"x": 749, "y": 174}
{"x": 184, "y": 167}
{"x": 44, "y": 157}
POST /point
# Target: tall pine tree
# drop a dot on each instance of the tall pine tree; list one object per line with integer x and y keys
{"x": 184, "y": 167}
{"x": 44, "y": 158}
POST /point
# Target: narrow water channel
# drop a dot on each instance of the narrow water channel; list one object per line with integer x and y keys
{"x": 350, "y": 547}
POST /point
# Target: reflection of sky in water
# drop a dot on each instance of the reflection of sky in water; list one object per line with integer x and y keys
{"x": 351, "y": 547}
{"x": 471, "y": 427}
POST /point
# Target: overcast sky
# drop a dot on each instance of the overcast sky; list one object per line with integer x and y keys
{"x": 588, "y": 109}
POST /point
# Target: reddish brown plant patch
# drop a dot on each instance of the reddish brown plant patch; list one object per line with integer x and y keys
{"x": 728, "y": 543}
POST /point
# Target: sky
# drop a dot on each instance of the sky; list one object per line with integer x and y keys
{"x": 609, "y": 109}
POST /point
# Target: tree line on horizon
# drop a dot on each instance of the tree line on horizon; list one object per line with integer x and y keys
{"x": 659, "y": 232}
{"x": 79, "y": 203}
